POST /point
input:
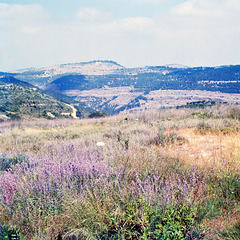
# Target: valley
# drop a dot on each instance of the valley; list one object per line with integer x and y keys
{"x": 106, "y": 86}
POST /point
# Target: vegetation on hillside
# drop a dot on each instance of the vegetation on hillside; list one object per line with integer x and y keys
{"x": 17, "y": 102}
{"x": 69, "y": 82}
{"x": 224, "y": 79}
{"x": 168, "y": 174}
{"x": 209, "y": 79}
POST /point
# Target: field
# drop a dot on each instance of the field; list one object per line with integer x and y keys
{"x": 164, "y": 174}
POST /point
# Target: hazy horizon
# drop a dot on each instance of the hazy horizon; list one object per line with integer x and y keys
{"x": 102, "y": 60}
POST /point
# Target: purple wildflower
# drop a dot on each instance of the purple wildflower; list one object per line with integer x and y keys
{"x": 8, "y": 186}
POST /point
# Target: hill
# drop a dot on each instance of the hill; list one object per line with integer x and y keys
{"x": 110, "y": 87}
{"x": 68, "y": 82}
{"x": 9, "y": 79}
{"x": 21, "y": 102}
{"x": 43, "y": 76}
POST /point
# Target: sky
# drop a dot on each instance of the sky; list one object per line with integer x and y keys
{"x": 134, "y": 33}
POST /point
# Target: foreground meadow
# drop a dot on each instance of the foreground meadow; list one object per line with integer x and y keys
{"x": 168, "y": 174}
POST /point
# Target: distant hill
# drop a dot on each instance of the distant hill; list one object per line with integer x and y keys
{"x": 43, "y": 76}
{"x": 108, "y": 86}
{"x": 98, "y": 74}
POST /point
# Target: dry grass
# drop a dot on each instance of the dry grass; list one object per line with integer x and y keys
{"x": 221, "y": 224}
{"x": 208, "y": 150}
{"x": 4, "y": 217}
{"x": 161, "y": 141}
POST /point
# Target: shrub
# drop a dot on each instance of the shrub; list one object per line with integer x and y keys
{"x": 97, "y": 115}
{"x": 203, "y": 128}
{"x": 176, "y": 222}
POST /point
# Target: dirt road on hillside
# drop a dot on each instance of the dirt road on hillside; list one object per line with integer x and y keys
{"x": 74, "y": 111}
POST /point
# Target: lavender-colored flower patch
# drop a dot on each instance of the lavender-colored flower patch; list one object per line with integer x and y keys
{"x": 9, "y": 186}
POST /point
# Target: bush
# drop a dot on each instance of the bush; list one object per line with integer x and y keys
{"x": 139, "y": 220}
{"x": 97, "y": 115}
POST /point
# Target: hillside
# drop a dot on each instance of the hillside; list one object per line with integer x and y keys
{"x": 9, "y": 79}
{"x": 107, "y": 86}
{"x": 68, "y": 82}
{"x": 19, "y": 102}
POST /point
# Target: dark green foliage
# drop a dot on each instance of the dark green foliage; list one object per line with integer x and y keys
{"x": 176, "y": 222}
{"x": 68, "y": 82}
{"x": 126, "y": 142}
{"x": 7, "y": 161}
{"x": 140, "y": 220}
{"x": 198, "y": 104}
{"x": 224, "y": 189}
{"x": 97, "y": 115}
{"x": 131, "y": 223}
{"x": 7, "y": 233}
{"x": 9, "y": 79}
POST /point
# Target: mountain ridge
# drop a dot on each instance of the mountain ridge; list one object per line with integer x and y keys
{"x": 108, "y": 86}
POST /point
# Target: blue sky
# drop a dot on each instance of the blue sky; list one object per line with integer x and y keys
{"x": 134, "y": 33}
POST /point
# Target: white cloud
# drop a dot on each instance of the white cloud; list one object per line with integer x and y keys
{"x": 16, "y": 18}
{"x": 88, "y": 14}
{"x": 31, "y": 30}
{"x": 206, "y": 8}
{"x": 19, "y": 11}
{"x": 132, "y": 24}
{"x": 202, "y": 32}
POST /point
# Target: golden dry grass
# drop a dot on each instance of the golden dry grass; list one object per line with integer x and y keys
{"x": 207, "y": 150}
{"x": 4, "y": 217}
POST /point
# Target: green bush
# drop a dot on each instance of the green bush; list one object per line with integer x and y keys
{"x": 176, "y": 222}
{"x": 140, "y": 220}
